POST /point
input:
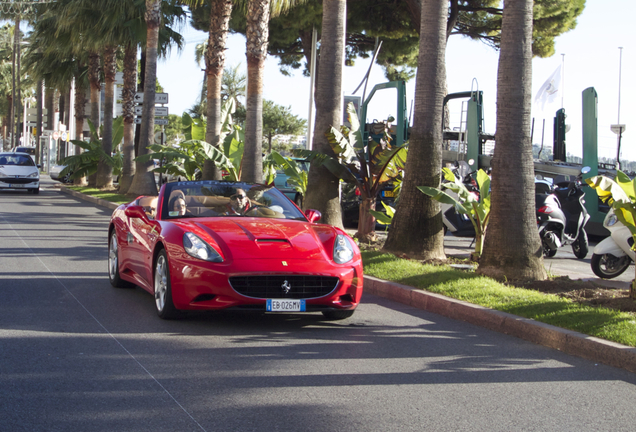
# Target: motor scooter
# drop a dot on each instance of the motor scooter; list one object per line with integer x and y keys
{"x": 614, "y": 254}
{"x": 561, "y": 217}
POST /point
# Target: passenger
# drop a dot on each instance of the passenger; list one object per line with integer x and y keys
{"x": 239, "y": 203}
{"x": 177, "y": 205}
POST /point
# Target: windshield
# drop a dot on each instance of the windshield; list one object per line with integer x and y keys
{"x": 226, "y": 199}
{"x": 15, "y": 159}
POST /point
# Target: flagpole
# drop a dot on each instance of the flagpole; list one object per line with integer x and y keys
{"x": 562, "y": 78}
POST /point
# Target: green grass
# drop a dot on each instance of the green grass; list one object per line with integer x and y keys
{"x": 467, "y": 286}
{"x": 105, "y": 195}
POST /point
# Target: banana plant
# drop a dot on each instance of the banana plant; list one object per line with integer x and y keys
{"x": 297, "y": 177}
{"x": 620, "y": 194}
{"x": 466, "y": 202}
{"x": 368, "y": 166}
{"x": 85, "y": 163}
{"x": 384, "y": 218}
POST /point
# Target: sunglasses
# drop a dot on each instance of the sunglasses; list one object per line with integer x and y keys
{"x": 238, "y": 196}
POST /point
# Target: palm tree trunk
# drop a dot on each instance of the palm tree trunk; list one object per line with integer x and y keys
{"x": 512, "y": 248}
{"x": 104, "y": 169}
{"x": 257, "y": 35}
{"x": 128, "y": 95}
{"x": 323, "y": 187}
{"x": 93, "y": 78}
{"x": 417, "y": 225}
{"x": 80, "y": 115}
{"x": 215, "y": 63}
{"x": 144, "y": 181}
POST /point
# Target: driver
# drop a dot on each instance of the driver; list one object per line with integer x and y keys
{"x": 239, "y": 203}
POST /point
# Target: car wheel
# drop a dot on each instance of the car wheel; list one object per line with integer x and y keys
{"x": 581, "y": 246}
{"x": 35, "y": 191}
{"x": 163, "y": 290}
{"x": 113, "y": 264}
{"x": 608, "y": 266}
{"x": 334, "y": 315}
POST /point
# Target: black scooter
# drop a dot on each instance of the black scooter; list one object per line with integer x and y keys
{"x": 561, "y": 216}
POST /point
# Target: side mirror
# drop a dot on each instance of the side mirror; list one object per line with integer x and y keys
{"x": 135, "y": 212}
{"x": 313, "y": 215}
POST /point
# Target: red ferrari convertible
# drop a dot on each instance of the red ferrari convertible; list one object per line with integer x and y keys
{"x": 209, "y": 245}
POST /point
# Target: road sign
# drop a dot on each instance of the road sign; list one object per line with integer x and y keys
{"x": 34, "y": 111}
{"x": 158, "y": 121}
{"x": 618, "y": 128}
{"x": 159, "y": 111}
{"x": 33, "y": 123}
{"x": 160, "y": 138}
{"x": 56, "y": 135}
{"x": 160, "y": 98}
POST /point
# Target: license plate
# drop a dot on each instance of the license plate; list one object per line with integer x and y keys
{"x": 285, "y": 305}
{"x": 17, "y": 185}
{"x": 388, "y": 193}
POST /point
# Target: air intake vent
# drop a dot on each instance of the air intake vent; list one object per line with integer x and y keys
{"x": 295, "y": 287}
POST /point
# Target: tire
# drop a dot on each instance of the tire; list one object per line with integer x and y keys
{"x": 163, "y": 289}
{"x": 113, "y": 264}
{"x": 549, "y": 253}
{"x": 581, "y": 246}
{"x": 608, "y": 266}
{"x": 334, "y": 315}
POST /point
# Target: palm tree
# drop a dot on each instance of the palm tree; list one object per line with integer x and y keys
{"x": 512, "y": 248}
{"x": 220, "y": 11}
{"x": 256, "y": 50}
{"x": 417, "y": 225}
{"x": 144, "y": 180}
{"x": 322, "y": 188}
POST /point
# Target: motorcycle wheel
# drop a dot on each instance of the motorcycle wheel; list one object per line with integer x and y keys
{"x": 608, "y": 266}
{"x": 549, "y": 253}
{"x": 581, "y": 246}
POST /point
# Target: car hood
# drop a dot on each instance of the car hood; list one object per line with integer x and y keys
{"x": 17, "y": 170}
{"x": 248, "y": 238}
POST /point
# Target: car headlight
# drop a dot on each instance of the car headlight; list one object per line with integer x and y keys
{"x": 342, "y": 250}
{"x": 611, "y": 220}
{"x": 197, "y": 248}
{"x": 34, "y": 174}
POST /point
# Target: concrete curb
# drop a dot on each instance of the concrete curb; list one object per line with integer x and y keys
{"x": 89, "y": 198}
{"x": 567, "y": 341}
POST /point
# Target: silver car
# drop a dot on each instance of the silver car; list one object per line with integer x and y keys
{"x": 18, "y": 171}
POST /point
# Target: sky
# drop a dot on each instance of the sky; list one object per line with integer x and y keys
{"x": 589, "y": 56}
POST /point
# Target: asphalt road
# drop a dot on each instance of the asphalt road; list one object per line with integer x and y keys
{"x": 78, "y": 355}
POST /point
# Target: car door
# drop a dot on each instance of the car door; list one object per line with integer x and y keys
{"x": 141, "y": 241}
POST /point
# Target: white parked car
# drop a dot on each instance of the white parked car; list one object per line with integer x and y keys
{"x": 54, "y": 173}
{"x": 18, "y": 171}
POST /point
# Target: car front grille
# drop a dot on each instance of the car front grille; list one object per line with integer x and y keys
{"x": 276, "y": 286}
{"x": 21, "y": 180}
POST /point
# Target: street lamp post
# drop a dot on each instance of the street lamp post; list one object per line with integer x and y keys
{"x": 618, "y": 128}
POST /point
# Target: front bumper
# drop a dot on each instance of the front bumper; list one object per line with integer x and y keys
{"x": 201, "y": 285}
{"x": 19, "y": 183}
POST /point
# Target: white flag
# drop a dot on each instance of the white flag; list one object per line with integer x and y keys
{"x": 550, "y": 89}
